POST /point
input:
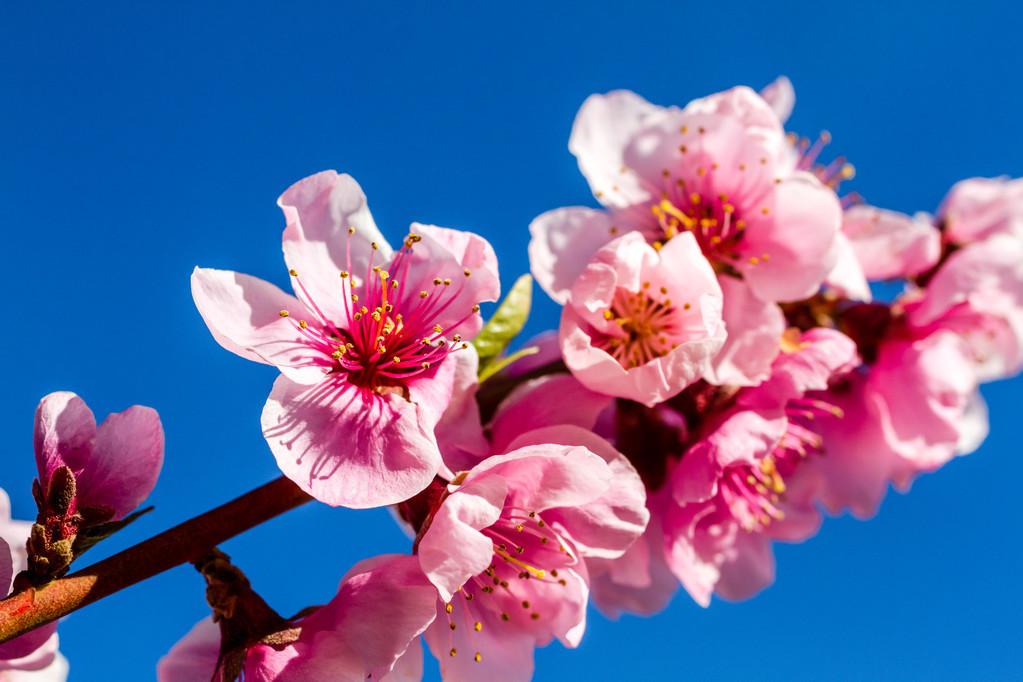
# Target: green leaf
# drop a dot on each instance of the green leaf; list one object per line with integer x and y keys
{"x": 507, "y": 322}
{"x": 497, "y": 364}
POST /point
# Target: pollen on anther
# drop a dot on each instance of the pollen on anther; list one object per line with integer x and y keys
{"x": 467, "y": 272}
{"x": 293, "y": 272}
{"x": 424, "y": 294}
{"x": 437, "y": 329}
{"x": 351, "y": 230}
{"x": 374, "y": 246}
{"x": 344, "y": 274}
{"x": 284, "y": 313}
{"x": 477, "y": 657}
{"x": 476, "y": 308}
{"x": 454, "y": 651}
{"x": 448, "y": 608}
{"x": 303, "y": 324}
{"x": 477, "y": 626}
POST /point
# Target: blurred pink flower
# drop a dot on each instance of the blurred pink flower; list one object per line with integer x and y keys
{"x": 364, "y": 632}
{"x": 33, "y": 657}
{"x": 370, "y": 349}
{"x": 980, "y": 208}
{"x": 642, "y": 323}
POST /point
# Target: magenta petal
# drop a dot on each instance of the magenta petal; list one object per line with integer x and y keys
{"x": 244, "y": 315}
{"x": 459, "y": 431}
{"x": 750, "y": 567}
{"x": 381, "y": 607}
{"x": 546, "y": 401}
{"x": 125, "y": 463}
{"x": 34, "y": 650}
{"x": 506, "y": 654}
{"x": 64, "y": 431}
{"x": 472, "y": 252}
{"x": 348, "y": 446}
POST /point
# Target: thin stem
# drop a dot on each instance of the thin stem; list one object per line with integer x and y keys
{"x": 187, "y": 542}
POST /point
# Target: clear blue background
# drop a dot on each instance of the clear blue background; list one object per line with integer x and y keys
{"x": 137, "y": 142}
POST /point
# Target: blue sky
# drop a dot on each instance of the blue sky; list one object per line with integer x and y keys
{"x": 138, "y": 141}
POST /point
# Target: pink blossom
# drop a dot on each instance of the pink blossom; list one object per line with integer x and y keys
{"x": 369, "y": 348}
{"x": 980, "y": 208}
{"x": 506, "y": 548}
{"x": 32, "y": 657}
{"x": 722, "y": 170}
{"x": 890, "y": 245}
{"x": 917, "y": 408}
{"x": 731, "y": 491}
{"x": 978, "y": 293}
{"x": 643, "y": 323}
{"x": 709, "y": 169}
{"x": 115, "y": 466}
{"x": 365, "y": 632}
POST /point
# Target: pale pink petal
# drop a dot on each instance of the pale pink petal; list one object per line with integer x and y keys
{"x": 194, "y": 657}
{"x": 64, "y": 431}
{"x": 608, "y": 525}
{"x": 847, "y": 278}
{"x": 452, "y": 550}
{"x": 319, "y": 211}
{"x": 472, "y": 252}
{"x": 55, "y": 671}
{"x": 546, "y": 401}
{"x": 754, "y": 330}
{"x": 797, "y": 235}
{"x": 602, "y": 129}
{"x": 697, "y": 574}
{"x": 819, "y": 355}
{"x": 780, "y": 96}
{"x": 541, "y": 477}
{"x": 562, "y": 243}
{"x": 430, "y": 263}
{"x": 888, "y": 244}
{"x": 408, "y": 667}
{"x": 505, "y": 653}
{"x": 974, "y": 428}
{"x": 244, "y": 315}
{"x": 347, "y": 446}
{"x": 382, "y": 606}
{"x": 979, "y": 208}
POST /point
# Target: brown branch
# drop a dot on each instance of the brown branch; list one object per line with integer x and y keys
{"x": 184, "y": 543}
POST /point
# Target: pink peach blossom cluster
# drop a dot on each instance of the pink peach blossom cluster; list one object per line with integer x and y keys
{"x": 721, "y": 377}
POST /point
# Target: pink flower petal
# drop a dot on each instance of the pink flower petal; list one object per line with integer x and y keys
{"x": 348, "y": 446}
{"x": 562, "y": 243}
{"x": 505, "y": 654}
{"x": 194, "y": 657}
{"x": 980, "y": 208}
{"x": 889, "y": 244}
{"x": 546, "y": 401}
{"x": 319, "y": 211}
{"x": 780, "y": 96}
{"x": 64, "y": 431}
{"x": 459, "y": 431}
{"x": 471, "y": 251}
{"x": 382, "y": 606}
{"x": 797, "y": 234}
{"x": 847, "y": 278}
{"x": 602, "y": 129}
{"x": 244, "y": 315}
{"x": 608, "y": 525}
{"x": 754, "y": 330}
{"x": 125, "y": 461}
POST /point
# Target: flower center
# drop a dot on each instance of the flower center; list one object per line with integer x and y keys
{"x": 528, "y": 554}
{"x": 755, "y": 493}
{"x": 392, "y": 332}
{"x": 645, "y": 326}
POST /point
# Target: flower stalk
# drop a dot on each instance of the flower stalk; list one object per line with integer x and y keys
{"x": 186, "y": 542}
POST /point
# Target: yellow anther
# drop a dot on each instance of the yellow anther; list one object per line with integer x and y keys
{"x": 454, "y": 651}
{"x": 284, "y": 313}
{"x": 765, "y": 210}
{"x": 437, "y": 329}
{"x": 477, "y": 657}
{"x": 351, "y": 230}
{"x": 448, "y": 608}
{"x": 302, "y": 324}
{"x": 478, "y": 626}
{"x": 476, "y": 308}
{"x": 694, "y": 198}
{"x": 608, "y": 314}
{"x": 374, "y": 246}
{"x": 437, "y": 281}
{"x": 425, "y": 365}
{"x": 447, "y": 281}
{"x": 293, "y": 272}
{"x": 684, "y": 129}
{"x": 424, "y": 294}
{"x": 344, "y": 274}
{"x": 396, "y": 360}
{"x": 467, "y": 272}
